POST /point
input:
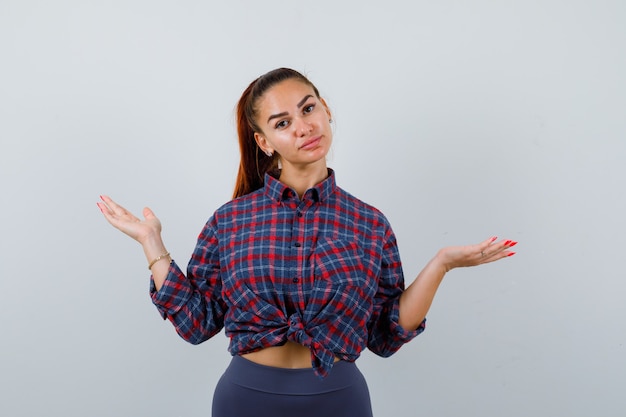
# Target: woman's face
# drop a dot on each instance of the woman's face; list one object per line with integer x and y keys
{"x": 294, "y": 123}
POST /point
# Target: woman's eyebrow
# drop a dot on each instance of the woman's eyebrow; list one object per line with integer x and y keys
{"x": 276, "y": 116}
{"x": 300, "y": 104}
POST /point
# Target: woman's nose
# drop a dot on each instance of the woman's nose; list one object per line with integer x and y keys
{"x": 303, "y": 127}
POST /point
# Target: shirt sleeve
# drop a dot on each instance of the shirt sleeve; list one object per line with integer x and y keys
{"x": 385, "y": 335}
{"x": 193, "y": 303}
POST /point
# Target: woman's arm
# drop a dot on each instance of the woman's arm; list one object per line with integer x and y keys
{"x": 418, "y": 297}
{"x": 193, "y": 303}
{"x": 147, "y": 232}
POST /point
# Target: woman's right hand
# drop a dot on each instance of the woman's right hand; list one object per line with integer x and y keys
{"x": 146, "y": 231}
{"x": 140, "y": 230}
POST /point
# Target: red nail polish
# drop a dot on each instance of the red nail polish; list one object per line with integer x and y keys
{"x": 494, "y": 238}
{"x": 511, "y": 254}
{"x": 512, "y": 244}
{"x": 507, "y": 243}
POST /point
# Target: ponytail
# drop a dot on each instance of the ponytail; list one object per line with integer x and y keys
{"x": 254, "y": 163}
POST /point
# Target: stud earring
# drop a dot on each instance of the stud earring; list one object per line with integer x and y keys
{"x": 269, "y": 153}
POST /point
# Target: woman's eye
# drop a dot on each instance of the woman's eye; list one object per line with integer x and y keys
{"x": 281, "y": 124}
{"x": 309, "y": 108}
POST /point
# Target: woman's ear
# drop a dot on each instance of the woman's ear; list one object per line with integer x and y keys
{"x": 330, "y": 115}
{"x": 261, "y": 141}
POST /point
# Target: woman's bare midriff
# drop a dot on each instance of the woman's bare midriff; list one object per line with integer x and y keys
{"x": 291, "y": 356}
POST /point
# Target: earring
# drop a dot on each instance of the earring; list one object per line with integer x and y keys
{"x": 330, "y": 120}
{"x": 269, "y": 153}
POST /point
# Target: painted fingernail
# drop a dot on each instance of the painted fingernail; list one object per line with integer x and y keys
{"x": 494, "y": 238}
{"x": 507, "y": 243}
{"x": 512, "y": 244}
{"x": 511, "y": 254}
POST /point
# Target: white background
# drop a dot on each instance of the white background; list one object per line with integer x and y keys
{"x": 458, "y": 119}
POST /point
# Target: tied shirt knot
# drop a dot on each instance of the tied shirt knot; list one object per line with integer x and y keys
{"x": 322, "y": 359}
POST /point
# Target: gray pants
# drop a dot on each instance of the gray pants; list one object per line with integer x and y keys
{"x": 248, "y": 389}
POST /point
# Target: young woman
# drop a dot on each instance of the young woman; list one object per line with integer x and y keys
{"x": 300, "y": 274}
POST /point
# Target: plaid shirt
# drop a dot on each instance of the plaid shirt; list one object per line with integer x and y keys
{"x": 322, "y": 271}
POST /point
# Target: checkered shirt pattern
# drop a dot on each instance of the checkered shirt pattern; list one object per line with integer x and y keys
{"x": 323, "y": 271}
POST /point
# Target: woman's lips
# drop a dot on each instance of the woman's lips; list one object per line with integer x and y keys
{"x": 311, "y": 144}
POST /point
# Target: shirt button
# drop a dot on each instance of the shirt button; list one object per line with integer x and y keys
{"x": 299, "y": 214}
{"x": 295, "y": 280}
{"x": 297, "y": 245}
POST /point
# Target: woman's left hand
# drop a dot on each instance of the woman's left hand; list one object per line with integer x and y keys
{"x": 477, "y": 254}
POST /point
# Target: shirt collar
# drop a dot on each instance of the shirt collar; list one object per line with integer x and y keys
{"x": 278, "y": 191}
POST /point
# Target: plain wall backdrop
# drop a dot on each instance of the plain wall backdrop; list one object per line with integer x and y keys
{"x": 458, "y": 119}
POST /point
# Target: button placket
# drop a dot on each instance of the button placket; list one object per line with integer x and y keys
{"x": 299, "y": 235}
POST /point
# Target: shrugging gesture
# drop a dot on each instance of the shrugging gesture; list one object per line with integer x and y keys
{"x": 300, "y": 273}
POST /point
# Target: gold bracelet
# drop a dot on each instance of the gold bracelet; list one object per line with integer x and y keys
{"x": 157, "y": 259}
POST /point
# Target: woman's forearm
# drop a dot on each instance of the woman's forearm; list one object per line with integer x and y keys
{"x": 416, "y": 300}
{"x": 153, "y": 248}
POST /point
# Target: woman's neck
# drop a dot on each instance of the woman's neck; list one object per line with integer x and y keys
{"x": 303, "y": 178}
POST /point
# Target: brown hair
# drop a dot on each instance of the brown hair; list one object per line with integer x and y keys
{"x": 254, "y": 163}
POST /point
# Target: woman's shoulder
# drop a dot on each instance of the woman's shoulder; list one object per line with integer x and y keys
{"x": 239, "y": 209}
{"x": 360, "y": 207}
{"x": 242, "y": 202}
